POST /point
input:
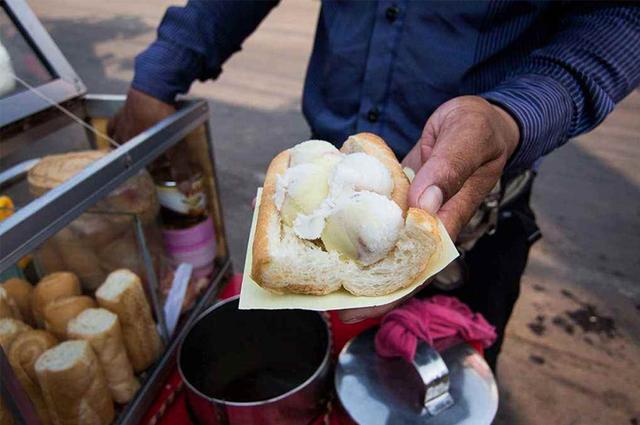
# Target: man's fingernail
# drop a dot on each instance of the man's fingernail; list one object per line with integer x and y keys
{"x": 431, "y": 199}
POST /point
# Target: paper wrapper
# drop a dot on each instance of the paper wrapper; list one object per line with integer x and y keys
{"x": 253, "y": 297}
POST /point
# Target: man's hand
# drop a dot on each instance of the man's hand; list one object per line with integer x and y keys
{"x": 140, "y": 112}
{"x": 458, "y": 160}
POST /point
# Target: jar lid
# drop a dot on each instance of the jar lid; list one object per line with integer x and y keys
{"x": 452, "y": 387}
{"x": 53, "y": 170}
{"x": 168, "y": 182}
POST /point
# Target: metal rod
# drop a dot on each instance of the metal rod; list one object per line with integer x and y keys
{"x": 152, "y": 279}
{"x": 16, "y": 172}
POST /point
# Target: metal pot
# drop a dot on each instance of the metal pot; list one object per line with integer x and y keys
{"x": 256, "y": 366}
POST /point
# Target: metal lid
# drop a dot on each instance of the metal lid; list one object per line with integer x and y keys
{"x": 452, "y": 387}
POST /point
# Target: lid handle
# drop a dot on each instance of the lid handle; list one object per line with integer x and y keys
{"x": 435, "y": 377}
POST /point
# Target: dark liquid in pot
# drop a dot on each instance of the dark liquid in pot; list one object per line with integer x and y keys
{"x": 260, "y": 385}
{"x": 253, "y": 355}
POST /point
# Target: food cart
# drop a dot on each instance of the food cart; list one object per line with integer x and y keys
{"x": 77, "y": 201}
{"x": 44, "y": 110}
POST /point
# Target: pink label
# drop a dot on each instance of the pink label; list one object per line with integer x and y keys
{"x": 182, "y": 238}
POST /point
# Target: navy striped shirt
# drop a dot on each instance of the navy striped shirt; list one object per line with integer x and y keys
{"x": 384, "y": 66}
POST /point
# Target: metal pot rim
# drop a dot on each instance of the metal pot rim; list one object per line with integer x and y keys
{"x": 321, "y": 367}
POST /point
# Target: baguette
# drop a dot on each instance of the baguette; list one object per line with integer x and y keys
{"x": 123, "y": 295}
{"x": 8, "y": 307}
{"x": 73, "y": 385}
{"x": 50, "y": 288}
{"x": 283, "y": 262}
{"x": 21, "y": 292}
{"x": 9, "y": 331}
{"x": 101, "y": 329}
{"x": 59, "y": 312}
{"x": 23, "y": 353}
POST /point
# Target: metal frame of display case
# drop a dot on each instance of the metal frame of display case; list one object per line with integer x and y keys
{"x": 65, "y": 84}
{"x": 25, "y": 118}
{"x": 38, "y": 220}
{"x": 49, "y": 213}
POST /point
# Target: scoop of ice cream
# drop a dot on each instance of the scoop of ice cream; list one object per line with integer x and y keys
{"x": 309, "y": 151}
{"x": 360, "y": 172}
{"x": 363, "y": 226}
{"x": 310, "y": 226}
{"x": 301, "y": 190}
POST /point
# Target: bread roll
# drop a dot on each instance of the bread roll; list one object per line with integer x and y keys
{"x": 8, "y": 307}
{"x": 50, "y": 288}
{"x": 97, "y": 230}
{"x": 73, "y": 385}
{"x": 48, "y": 257}
{"x": 101, "y": 329}
{"x": 283, "y": 262}
{"x": 80, "y": 258}
{"x": 54, "y": 170}
{"x": 123, "y": 295}
{"x": 21, "y": 292}
{"x": 9, "y": 329}
{"x": 122, "y": 253}
{"x": 23, "y": 353}
{"x": 59, "y": 312}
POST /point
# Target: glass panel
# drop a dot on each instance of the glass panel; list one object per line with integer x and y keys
{"x": 19, "y": 58}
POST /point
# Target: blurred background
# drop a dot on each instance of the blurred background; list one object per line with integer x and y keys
{"x": 573, "y": 346}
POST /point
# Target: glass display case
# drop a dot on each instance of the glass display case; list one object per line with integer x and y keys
{"x": 113, "y": 211}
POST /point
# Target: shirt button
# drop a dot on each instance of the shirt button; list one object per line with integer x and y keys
{"x": 373, "y": 115}
{"x": 392, "y": 13}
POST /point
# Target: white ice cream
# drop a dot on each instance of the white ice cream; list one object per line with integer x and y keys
{"x": 342, "y": 199}
{"x": 301, "y": 190}
{"x": 309, "y": 151}
{"x": 363, "y": 226}
{"x": 360, "y": 172}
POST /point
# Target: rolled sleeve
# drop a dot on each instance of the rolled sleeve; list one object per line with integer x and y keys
{"x": 164, "y": 70}
{"x": 193, "y": 42}
{"x": 568, "y": 86}
{"x": 543, "y": 110}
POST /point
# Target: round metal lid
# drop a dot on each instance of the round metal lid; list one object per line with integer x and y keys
{"x": 378, "y": 391}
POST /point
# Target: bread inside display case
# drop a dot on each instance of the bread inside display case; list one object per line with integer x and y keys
{"x": 104, "y": 260}
{"x": 84, "y": 312}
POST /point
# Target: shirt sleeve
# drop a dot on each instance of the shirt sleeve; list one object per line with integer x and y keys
{"x": 193, "y": 42}
{"x": 568, "y": 86}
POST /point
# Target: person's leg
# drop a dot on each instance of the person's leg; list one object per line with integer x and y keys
{"x": 495, "y": 266}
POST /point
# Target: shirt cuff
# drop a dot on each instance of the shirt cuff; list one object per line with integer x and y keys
{"x": 165, "y": 70}
{"x": 543, "y": 109}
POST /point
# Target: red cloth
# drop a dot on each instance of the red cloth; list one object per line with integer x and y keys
{"x": 232, "y": 287}
{"x": 439, "y": 321}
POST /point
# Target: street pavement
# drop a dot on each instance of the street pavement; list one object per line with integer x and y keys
{"x": 573, "y": 346}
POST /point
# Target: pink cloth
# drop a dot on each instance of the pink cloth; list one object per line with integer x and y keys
{"x": 437, "y": 320}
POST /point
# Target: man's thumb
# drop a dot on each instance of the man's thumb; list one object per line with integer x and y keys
{"x": 431, "y": 199}
{"x": 438, "y": 180}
